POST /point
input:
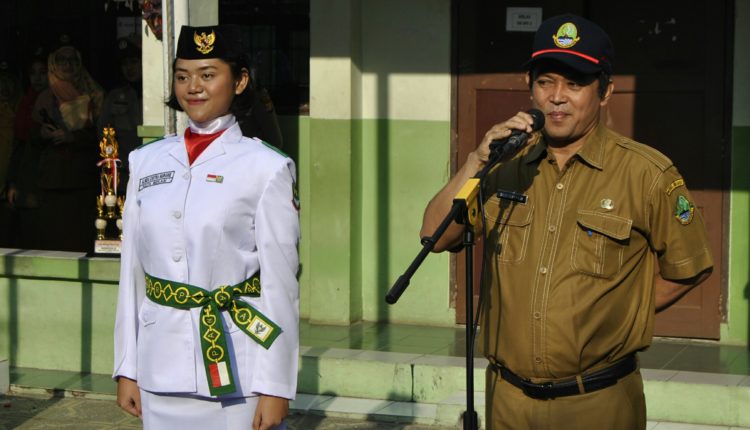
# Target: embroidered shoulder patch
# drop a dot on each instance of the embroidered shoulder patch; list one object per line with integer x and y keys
{"x": 674, "y": 185}
{"x": 295, "y": 196}
{"x": 684, "y": 210}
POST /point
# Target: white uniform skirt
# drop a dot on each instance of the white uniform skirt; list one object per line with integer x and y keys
{"x": 169, "y": 411}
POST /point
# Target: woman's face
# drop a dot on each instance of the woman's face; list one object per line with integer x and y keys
{"x": 38, "y": 76}
{"x": 67, "y": 63}
{"x": 205, "y": 88}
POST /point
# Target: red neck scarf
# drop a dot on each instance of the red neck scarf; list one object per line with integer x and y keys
{"x": 197, "y": 143}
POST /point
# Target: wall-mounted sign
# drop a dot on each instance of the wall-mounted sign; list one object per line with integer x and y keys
{"x": 523, "y": 18}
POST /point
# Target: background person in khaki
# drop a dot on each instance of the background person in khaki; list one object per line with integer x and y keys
{"x": 571, "y": 292}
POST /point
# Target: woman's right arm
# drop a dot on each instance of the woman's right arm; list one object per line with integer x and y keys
{"x": 130, "y": 296}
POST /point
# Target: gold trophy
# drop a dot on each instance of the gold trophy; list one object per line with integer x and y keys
{"x": 109, "y": 205}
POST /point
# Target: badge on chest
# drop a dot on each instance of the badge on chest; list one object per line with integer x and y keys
{"x": 155, "y": 179}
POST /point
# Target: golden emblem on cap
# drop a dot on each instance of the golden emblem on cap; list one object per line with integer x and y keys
{"x": 607, "y": 204}
{"x": 204, "y": 43}
{"x": 567, "y": 35}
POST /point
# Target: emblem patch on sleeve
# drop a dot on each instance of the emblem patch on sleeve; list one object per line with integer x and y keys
{"x": 295, "y": 196}
{"x": 684, "y": 210}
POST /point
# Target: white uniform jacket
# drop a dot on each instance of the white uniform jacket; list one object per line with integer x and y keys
{"x": 214, "y": 223}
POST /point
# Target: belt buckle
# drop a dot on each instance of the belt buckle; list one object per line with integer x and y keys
{"x": 542, "y": 391}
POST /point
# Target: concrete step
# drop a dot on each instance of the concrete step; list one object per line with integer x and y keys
{"x": 429, "y": 389}
{"x": 439, "y": 381}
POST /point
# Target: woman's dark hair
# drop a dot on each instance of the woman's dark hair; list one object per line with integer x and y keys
{"x": 241, "y": 103}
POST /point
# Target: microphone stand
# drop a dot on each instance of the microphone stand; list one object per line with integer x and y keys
{"x": 465, "y": 210}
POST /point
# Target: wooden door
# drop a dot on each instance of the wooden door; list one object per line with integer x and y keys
{"x": 670, "y": 92}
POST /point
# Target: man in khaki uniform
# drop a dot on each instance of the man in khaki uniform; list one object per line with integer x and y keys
{"x": 573, "y": 222}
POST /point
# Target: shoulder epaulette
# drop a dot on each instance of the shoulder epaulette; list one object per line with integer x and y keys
{"x": 661, "y": 161}
{"x": 275, "y": 149}
{"x": 143, "y": 145}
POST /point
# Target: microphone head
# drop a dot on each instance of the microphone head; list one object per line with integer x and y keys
{"x": 538, "y": 119}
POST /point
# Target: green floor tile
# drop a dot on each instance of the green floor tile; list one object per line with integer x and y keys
{"x": 660, "y": 354}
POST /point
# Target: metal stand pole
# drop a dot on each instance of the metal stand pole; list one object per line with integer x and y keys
{"x": 471, "y": 420}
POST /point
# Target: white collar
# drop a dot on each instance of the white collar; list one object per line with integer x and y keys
{"x": 213, "y": 126}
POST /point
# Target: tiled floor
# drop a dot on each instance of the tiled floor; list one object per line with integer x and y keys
{"x": 47, "y": 412}
{"x": 670, "y": 354}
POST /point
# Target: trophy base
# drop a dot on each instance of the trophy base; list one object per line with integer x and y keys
{"x": 107, "y": 246}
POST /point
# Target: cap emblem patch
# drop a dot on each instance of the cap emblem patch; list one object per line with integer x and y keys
{"x": 567, "y": 35}
{"x": 204, "y": 43}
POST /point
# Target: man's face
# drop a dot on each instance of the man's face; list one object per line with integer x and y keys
{"x": 131, "y": 69}
{"x": 570, "y": 104}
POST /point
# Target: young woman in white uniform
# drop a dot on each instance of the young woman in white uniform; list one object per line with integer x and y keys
{"x": 206, "y": 333}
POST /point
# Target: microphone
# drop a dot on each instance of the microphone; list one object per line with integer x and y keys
{"x": 517, "y": 138}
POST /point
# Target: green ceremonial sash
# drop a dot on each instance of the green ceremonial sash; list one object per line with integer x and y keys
{"x": 213, "y": 340}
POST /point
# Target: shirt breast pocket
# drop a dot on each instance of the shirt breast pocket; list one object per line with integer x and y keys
{"x": 510, "y": 227}
{"x": 599, "y": 242}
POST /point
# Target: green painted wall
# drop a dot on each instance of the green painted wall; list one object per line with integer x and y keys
{"x": 58, "y": 312}
{"x": 380, "y": 103}
{"x": 404, "y": 162}
{"x": 737, "y": 327}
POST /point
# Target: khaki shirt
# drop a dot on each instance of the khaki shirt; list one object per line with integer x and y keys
{"x": 571, "y": 269}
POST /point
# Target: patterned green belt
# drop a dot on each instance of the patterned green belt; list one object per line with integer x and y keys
{"x": 213, "y": 341}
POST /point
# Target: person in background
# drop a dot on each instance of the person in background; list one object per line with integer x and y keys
{"x": 206, "y": 330}
{"x": 258, "y": 116}
{"x": 123, "y": 106}
{"x": 22, "y": 171}
{"x": 9, "y": 95}
{"x": 67, "y": 177}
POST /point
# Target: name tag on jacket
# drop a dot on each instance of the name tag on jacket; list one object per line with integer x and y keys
{"x": 155, "y": 179}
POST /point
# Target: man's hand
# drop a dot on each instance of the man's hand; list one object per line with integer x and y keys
{"x": 129, "y": 396}
{"x": 270, "y": 412}
{"x": 522, "y": 121}
{"x": 440, "y": 205}
{"x": 56, "y": 135}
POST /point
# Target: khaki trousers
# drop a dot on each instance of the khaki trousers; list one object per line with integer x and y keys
{"x": 619, "y": 407}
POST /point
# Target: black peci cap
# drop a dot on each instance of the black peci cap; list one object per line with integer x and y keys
{"x": 575, "y": 42}
{"x": 216, "y": 41}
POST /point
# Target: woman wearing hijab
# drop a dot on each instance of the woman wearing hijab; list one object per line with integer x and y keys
{"x": 22, "y": 169}
{"x": 67, "y": 176}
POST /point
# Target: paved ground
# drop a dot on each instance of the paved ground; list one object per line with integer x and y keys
{"x": 38, "y": 412}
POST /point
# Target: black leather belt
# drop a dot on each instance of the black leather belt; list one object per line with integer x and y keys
{"x": 588, "y": 383}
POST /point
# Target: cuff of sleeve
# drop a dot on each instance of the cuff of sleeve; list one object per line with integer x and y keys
{"x": 268, "y": 388}
{"x": 124, "y": 371}
{"x": 688, "y": 268}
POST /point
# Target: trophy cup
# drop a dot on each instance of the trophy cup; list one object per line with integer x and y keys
{"x": 109, "y": 205}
